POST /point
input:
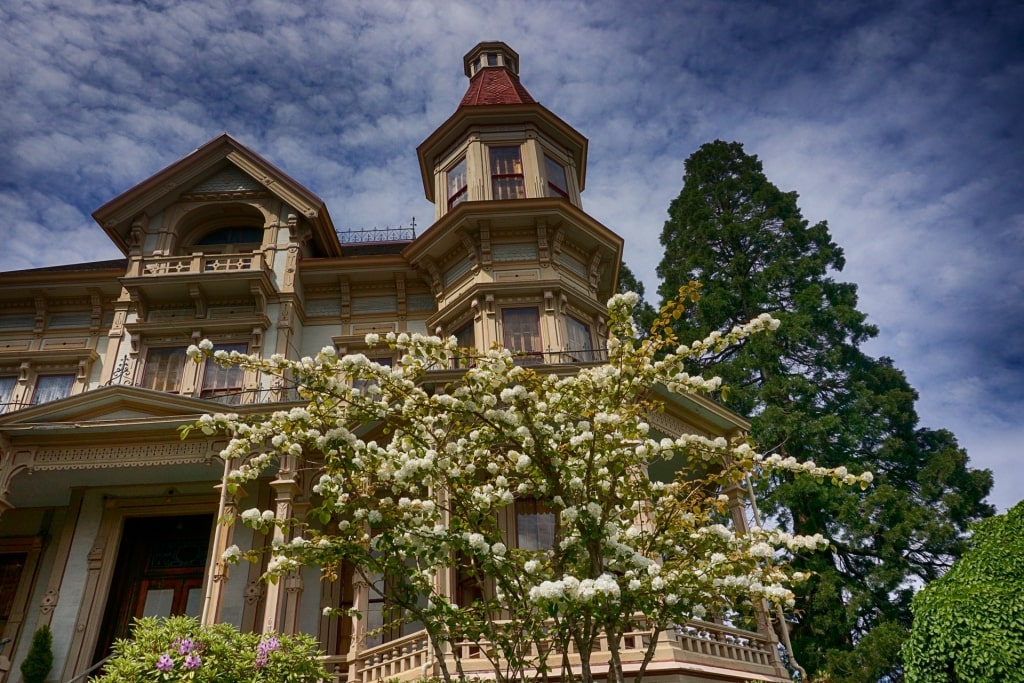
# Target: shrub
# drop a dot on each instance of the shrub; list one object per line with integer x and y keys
{"x": 178, "y": 649}
{"x": 39, "y": 660}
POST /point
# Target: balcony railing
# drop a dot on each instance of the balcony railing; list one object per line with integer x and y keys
{"x": 375, "y": 235}
{"x": 549, "y": 357}
{"x": 692, "y": 648}
{"x": 197, "y": 263}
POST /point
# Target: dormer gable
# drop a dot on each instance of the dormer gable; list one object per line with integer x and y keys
{"x": 221, "y": 184}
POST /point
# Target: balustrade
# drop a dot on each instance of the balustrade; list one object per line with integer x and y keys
{"x": 197, "y": 263}
{"x": 696, "y": 642}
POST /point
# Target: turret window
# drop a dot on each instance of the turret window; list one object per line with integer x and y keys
{"x": 457, "y": 183}
{"x": 507, "y": 173}
{"x": 555, "y": 172}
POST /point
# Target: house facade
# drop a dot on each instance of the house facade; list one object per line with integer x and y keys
{"x": 106, "y": 514}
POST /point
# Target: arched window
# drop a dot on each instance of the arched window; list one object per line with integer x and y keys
{"x": 233, "y": 234}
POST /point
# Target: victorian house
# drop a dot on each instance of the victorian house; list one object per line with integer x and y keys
{"x": 106, "y": 514}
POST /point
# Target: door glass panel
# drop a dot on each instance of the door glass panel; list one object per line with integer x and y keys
{"x": 158, "y": 602}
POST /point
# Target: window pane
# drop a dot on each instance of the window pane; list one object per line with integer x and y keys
{"x": 6, "y": 391}
{"x": 555, "y": 172}
{"x": 521, "y": 329}
{"x": 457, "y": 183}
{"x": 52, "y": 387}
{"x": 506, "y": 161}
{"x": 221, "y": 381}
{"x": 163, "y": 369}
{"x": 535, "y": 525}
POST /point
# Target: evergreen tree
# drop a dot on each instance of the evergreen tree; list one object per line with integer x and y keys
{"x": 812, "y": 393}
{"x": 39, "y": 660}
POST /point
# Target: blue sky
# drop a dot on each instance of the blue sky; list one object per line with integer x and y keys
{"x": 899, "y": 123}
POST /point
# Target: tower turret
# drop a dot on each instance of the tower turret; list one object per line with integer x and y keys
{"x": 500, "y": 144}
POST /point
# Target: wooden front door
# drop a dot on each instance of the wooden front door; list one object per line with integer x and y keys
{"x": 160, "y": 569}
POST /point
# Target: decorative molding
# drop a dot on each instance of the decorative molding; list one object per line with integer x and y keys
{"x": 402, "y": 298}
{"x": 346, "y": 299}
{"x": 485, "y": 244}
{"x": 49, "y": 601}
{"x": 471, "y": 249}
{"x": 672, "y": 426}
{"x": 129, "y": 455}
{"x": 543, "y": 250}
{"x": 253, "y": 592}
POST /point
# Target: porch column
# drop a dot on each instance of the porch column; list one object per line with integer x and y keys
{"x": 286, "y": 489}
{"x": 360, "y": 603}
{"x": 219, "y": 572}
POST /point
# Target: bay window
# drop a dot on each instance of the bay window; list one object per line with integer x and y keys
{"x": 521, "y": 332}
{"x": 578, "y": 344}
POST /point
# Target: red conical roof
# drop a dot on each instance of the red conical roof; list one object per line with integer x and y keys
{"x": 495, "y": 86}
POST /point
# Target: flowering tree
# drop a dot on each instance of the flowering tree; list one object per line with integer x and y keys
{"x": 629, "y": 552}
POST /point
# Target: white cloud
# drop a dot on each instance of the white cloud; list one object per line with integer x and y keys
{"x": 898, "y": 124}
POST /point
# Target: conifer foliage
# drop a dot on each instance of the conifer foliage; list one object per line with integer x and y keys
{"x": 39, "y": 660}
{"x": 811, "y": 392}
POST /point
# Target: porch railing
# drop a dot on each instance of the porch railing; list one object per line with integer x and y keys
{"x": 688, "y": 647}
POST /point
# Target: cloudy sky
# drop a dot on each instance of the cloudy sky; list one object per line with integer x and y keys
{"x": 898, "y": 122}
